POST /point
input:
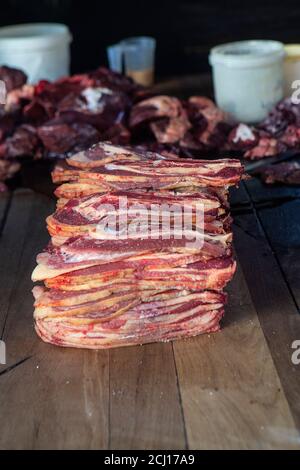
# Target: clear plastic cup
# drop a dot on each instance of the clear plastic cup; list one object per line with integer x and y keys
{"x": 137, "y": 54}
{"x": 115, "y": 57}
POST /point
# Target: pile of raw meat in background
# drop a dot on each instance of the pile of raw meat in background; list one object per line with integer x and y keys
{"x": 103, "y": 291}
{"x": 58, "y": 119}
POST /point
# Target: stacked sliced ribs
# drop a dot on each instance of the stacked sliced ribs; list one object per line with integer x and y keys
{"x": 102, "y": 290}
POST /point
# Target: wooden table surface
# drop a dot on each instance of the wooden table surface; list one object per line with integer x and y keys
{"x": 234, "y": 389}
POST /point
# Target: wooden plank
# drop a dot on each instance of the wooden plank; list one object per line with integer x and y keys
{"x": 145, "y": 410}
{"x": 11, "y": 246}
{"x": 4, "y": 201}
{"x": 276, "y": 309}
{"x": 54, "y": 398}
{"x": 285, "y": 241}
{"x": 275, "y": 238}
{"x": 261, "y": 192}
{"x": 231, "y": 393}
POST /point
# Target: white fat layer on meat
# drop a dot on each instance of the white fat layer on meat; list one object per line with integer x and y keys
{"x": 243, "y": 133}
{"x": 113, "y": 150}
{"x": 138, "y": 215}
{"x": 91, "y": 213}
{"x": 93, "y": 96}
{"x": 86, "y": 255}
{"x": 144, "y": 231}
{"x": 179, "y": 170}
{"x": 109, "y": 149}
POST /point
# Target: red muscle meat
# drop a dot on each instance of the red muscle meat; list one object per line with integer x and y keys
{"x": 23, "y": 142}
{"x": 13, "y": 78}
{"x": 7, "y": 169}
{"x": 286, "y": 172}
{"x": 265, "y": 147}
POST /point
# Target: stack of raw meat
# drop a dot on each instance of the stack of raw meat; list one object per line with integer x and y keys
{"x": 134, "y": 283}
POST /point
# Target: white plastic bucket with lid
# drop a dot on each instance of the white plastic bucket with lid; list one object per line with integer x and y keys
{"x": 41, "y": 50}
{"x": 248, "y": 78}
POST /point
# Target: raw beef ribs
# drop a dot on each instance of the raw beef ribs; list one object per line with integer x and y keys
{"x": 101, "y": 291}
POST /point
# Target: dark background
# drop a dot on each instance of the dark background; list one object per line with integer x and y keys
{"x": 185, "y": 29}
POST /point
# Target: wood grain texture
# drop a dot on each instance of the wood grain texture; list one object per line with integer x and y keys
{"x": 145, "y": 408}
{"x": 281, "y": 212}
{"x": 278, "y": 315}
{"x": 233, "y": 389}
{"x": 11, "y": 247}
{"x": 4, "y": 201}
{"x": 231, "y": 394}
{"x": 53, "y": 398}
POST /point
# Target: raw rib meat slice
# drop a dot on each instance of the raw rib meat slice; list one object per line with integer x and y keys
{"x": 193, "y": 272}
{"x": 64, "y": 334}
{"x": 155, "y": 320}
{"x": 155, "y": 175}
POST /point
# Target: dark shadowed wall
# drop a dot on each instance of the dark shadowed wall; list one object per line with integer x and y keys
{"x": 185, "y": 29}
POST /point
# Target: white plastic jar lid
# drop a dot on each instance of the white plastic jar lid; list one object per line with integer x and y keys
{"x": 34, "y": 35}
{"x": 243, "y": 54}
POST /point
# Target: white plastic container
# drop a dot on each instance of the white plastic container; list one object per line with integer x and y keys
{"x": 291, "y": 67}
{"x": 248, "y": 78}
{"x": 41, "y": 50}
